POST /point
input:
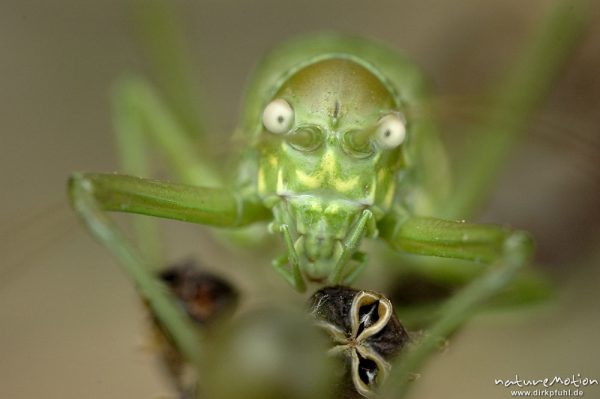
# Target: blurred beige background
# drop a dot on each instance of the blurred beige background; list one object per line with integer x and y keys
{"x": 71, "y": 325}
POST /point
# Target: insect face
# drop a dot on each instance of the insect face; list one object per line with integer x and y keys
{"x": 329, "y": 151}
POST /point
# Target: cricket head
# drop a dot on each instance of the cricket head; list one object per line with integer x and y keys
{"x": 329, "y": 152}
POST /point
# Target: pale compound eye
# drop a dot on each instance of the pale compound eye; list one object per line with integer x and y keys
{"x": 391, "y": 131}
{"x": 278, "y": 116}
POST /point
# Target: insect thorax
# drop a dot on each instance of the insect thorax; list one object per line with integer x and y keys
{"x": 316, "y": 177}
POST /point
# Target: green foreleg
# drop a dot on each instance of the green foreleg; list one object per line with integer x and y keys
{"x": 506, "y": 251}
{"x": 140, "y": 119}
{"x": 93, "y": 194}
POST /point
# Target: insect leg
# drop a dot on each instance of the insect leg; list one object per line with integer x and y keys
{"x": 294, "y": 277}
{"x": 351, "y": 243}
{"x": 168, "y": 54}
{"x": 513, "y": 103}
{"x": 140, "y": 117}
{"x": 507, "y": 251}
{"x": 93, "y": 194}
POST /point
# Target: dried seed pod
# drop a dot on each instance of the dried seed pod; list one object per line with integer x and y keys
{"x": 205, "y": 298}
{"x": 364, "y": 329}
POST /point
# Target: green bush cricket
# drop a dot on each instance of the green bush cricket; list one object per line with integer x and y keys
{"x": 334, "y": 155}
